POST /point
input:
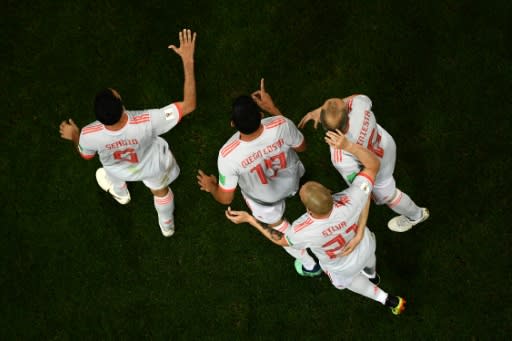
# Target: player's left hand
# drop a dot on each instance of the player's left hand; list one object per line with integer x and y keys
{"x": 349, "y": 247}
{"x": 206, "y": 182}
{"x": 264, "y": 101}
{"x": 238, "y": 217}
{"x": 336, "y": 139}
{"x": 69, "y": 130}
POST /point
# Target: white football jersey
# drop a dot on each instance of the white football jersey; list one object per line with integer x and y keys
{"x": 364, "y": 130}
{"x": 327, "y": 237}
{"x": 135, "y": 152}
{"x": 267, "y": 168}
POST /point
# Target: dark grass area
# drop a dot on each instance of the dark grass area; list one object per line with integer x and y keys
{"x": 75, "y": 264}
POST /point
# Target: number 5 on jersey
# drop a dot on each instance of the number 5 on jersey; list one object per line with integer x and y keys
{"x": 128, "y": 155}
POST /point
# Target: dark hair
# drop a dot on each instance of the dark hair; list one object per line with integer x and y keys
{"x": 108, "y": 107}
{"x": 246, "y": 115}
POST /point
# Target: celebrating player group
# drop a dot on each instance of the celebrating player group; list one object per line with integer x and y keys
{"x": 262, "y": 158}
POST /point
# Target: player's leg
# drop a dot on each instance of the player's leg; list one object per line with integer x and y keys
{"x": 410, "y": 214}
{"x": 361, "y": 285}
{"x": 163, "y": 197}
{"x": 111, "y": 184}
{"x": 272, "y": 215}
{"x": 163, "y": 200}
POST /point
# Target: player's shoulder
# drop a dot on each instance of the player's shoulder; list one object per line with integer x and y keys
{"x": 231, "y": 145}
{"x": 359, "y": 102}
{"x": 274, "y": 121}
{"x": 138, "y": 116}
{"x": 301, "y": 223}
{"x": 92, "y": 128}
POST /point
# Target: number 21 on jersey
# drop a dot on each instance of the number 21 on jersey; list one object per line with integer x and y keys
{"x": 269, "y": 167}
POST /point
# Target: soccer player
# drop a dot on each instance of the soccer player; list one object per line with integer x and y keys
{"x": 353, "y": 116}
{"x": 331, "y": 223}
{"x": 262, "y": 158}
{"x": 128, "y": 142}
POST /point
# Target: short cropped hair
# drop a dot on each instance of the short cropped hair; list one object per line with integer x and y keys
{"x": 317, "y": 198}
{"x": 333, "y": 116}
{"x": 245, "y": 115}
{"x": 108, "y": 107}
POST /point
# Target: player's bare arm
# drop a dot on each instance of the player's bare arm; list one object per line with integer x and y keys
{"x": 208, "y": 183}
{"x": 69, "y": 131}
{"x": 186, "y": 52}
{"x": 361, "y": 225}
{"x": 264, "y": 100}
{"x": 239, "y": 217}
{"x": 370, "y": 162}
{"x": 313, "y": 115}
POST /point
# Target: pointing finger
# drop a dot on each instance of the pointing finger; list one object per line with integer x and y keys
{"x": 262, "y": 85}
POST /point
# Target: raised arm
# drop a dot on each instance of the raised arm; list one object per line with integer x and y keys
{"x": 239, "y": 217}
{"x": 70, "y": 131}
{"x": 186, "y": 52}
{"x": 264, "y": 100}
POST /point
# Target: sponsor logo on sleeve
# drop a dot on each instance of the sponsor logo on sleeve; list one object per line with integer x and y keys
{"x": 222, "y": 179}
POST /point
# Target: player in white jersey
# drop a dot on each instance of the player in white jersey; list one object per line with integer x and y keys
{"x": 331, "y": 224}
{"x": 262, "y": 158}
{"x": 353, "y": 116}
{"x": 129, "y": 145}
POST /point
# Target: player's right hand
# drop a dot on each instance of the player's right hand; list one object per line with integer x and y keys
{"x": 238, "y": 217}
{"x": 311, "y": 116}
{"x": 336, "y": 139}
{"x": 69, "y": 130}
{"x": 206, "y": 182}
{"x": 187, "y": 45}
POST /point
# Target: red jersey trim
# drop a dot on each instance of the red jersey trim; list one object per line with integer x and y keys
{"x": 303, "y": 225}
{"x": 86, "y": 156}
{"x": 277, "y": 122}
{"x": 350, "y": 104}
{"x": 180, "y": 110}
{"x": 366, "y": 176}
{"x": 140, "y": 119}
{"x": 229, "y": 148}
{"x": 92, "y": 129}
{"x": 337, "y": 155}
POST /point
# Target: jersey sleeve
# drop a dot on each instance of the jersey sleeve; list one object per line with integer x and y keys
{"x": 86, "y": 147}
{"x": 346, "y": 164}
{"x": 361, "y": 103}
{"x": 293, "y": 136}
{"x": 228, "y": 177}
{"x": 359, "y": 191}
{"x": 166, "y": 118}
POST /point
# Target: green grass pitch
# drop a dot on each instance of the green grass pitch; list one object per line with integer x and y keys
{"x": 75, "y": 264}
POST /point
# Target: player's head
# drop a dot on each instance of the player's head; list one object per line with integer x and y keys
{"x": 334, "y": 115}
{"x": 245, "y": 115}
{"x": 316, "y": 198}
{"x": 108, "y": 106}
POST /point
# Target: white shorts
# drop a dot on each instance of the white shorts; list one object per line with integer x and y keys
{"x": 266, "y": 214}
{"x": 384, "y": 190}
{"x": 364, "y": 258}
{"x": 162, "y": 180}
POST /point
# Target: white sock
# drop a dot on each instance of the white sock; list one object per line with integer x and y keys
{"x": 403, "y": 204}
{"x": 361, "y": 285}
{"x": 165, "y": 208}
{"x": 307, "y": 261}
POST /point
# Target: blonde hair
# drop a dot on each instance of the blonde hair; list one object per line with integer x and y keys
{"x": 316, "y": 198}
{"x": 334, "y": 116}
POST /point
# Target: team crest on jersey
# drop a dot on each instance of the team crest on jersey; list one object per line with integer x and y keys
{"x": 170, "y": 115}
{"x": 364, "y": 187}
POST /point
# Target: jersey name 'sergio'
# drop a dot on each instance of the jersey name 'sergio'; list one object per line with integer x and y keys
{"x": 134, "y": 152}
{"x": 267, "y": 168}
